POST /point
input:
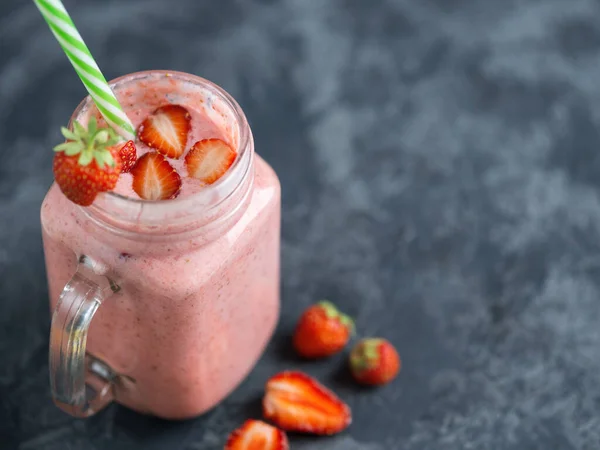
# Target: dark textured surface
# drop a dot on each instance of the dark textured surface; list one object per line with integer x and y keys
{"x": 440, "y": 162}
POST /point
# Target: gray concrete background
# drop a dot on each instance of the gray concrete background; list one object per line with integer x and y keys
{"x": 440, "y": 163}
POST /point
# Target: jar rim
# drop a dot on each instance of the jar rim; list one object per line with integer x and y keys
{"x": 113, "y": 205}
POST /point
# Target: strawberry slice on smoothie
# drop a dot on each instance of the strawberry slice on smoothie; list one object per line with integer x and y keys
{"x": 209, "y": 159}
{"x": 166, "y": 130}
{"x": 154, "y": 178}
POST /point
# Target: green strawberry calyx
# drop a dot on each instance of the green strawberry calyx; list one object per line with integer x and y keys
{"x": 365, "y": 354}
{"x": 332, "y": 312}
{"x": 92, "y": 144}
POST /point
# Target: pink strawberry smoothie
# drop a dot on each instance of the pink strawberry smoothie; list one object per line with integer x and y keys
{"x": 198, "y": 275}
{"x": 207, "y": 122}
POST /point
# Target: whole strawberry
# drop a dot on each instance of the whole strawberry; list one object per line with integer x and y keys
{"x": 88, "y": 163}
{"x": 322, "y": 331}
{"x": 374, "y": 361}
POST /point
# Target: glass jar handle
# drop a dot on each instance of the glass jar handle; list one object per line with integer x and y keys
{"x": 81, "y": 384}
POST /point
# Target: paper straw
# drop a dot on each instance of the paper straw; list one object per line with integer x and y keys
{"x": 71, "y": 42}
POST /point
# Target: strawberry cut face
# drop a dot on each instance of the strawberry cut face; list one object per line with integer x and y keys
{"x": 154, "y": 178}
{"x": 166, "y": 130}
{"x": 296, "y": 402}
{"x": 257, "y": 435}
{"x": 209, "y": 160}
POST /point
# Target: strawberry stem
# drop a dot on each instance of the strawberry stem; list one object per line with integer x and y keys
{"x": 330, "y": 310}
{"x": 366, "y": 354}
{"x": 333, "y": 313}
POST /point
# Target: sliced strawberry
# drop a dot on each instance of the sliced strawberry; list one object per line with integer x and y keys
{"x": 154, "y": 178}
{"x": 128, "y": 154}
{"x": 209, "y": 159}
{"x": 296, "y": 402}
{"x": 166, "y": 130}
{"x": 257, "y": 435}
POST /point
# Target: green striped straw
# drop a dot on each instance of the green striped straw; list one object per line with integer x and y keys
{"x": 71, "y": 42}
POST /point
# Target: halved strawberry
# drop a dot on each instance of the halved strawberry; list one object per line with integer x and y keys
{"x": 296, "y": 402}
{"x": 128, "y": 154}
{"x": 166, "y": 130}
{"x": 154, "y": 178}
{"x": 257, "y": 435}
{"x": 209, "y": 159}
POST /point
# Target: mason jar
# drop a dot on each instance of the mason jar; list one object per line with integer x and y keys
{"x": 164, "y": 306}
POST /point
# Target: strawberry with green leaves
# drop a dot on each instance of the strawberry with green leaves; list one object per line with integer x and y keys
{"x": 374, "y": 361}
{"x": 88, "y": 163}
{"x": 322, "y": 331}
{"x": 209, "y": 159}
